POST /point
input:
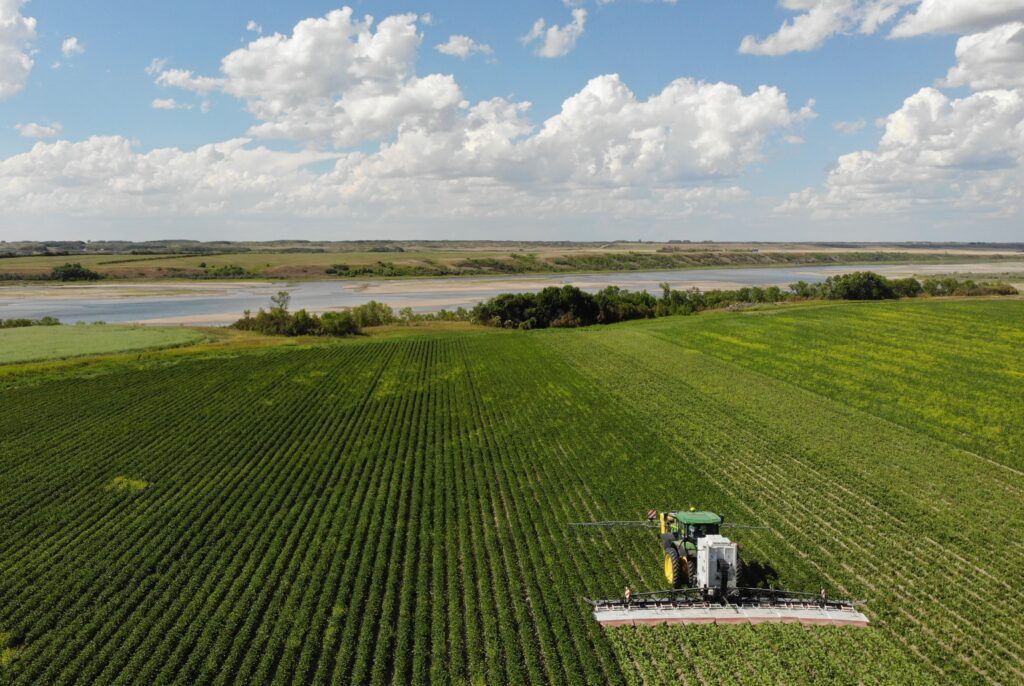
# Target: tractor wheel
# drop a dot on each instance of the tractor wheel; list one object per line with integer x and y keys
{"x": 691, "y": 571}
{"x": 740, "y": 581}
{"x": 674, "y": 568}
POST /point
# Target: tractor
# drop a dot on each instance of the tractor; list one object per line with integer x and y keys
{"x": 704, "y": 571}
{"x": 696, "y": 555}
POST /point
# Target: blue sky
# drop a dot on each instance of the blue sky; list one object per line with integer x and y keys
{"x": 780, "y": 177}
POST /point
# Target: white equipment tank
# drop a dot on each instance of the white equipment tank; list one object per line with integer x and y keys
{"x": 716, "y": 563}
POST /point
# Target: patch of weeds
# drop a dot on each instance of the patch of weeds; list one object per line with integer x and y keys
{"x": 10, "y": 647}
{"x": 123, "y": 483}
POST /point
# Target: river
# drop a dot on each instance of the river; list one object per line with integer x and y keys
{"x": 220, "y": 303}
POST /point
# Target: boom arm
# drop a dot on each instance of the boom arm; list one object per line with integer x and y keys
{"x": 642, "y": 524}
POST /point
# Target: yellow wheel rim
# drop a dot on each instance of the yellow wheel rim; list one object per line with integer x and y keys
{"x": 669, "y": 570}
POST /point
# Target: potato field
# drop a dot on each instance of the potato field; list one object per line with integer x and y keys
{"x": 394, "y": 510}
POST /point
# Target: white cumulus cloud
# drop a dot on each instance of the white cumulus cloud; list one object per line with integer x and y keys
{"x": 463, "y": 47}
{"x": 807, "y": 31}
{"x": 819, "y": 20}
{"x": 33, "y": 130}
{"x": 169, "y": 104}
{"x": 606, "y": 155}
{"x": 958, "y": 16}
{"x": 603, "y": 136}
{"x": 336, "y": 79}
{"x": 157, "y": 65}
{"x": 690, "y": 130}
{"x": 555, "y": 40}
{"x": 105, "y": 175}
{"x": 71, "y": 47}
{"x": 104, "y": 178}
{"x": 253, "y": 27}
{"x": 17, "y": 33}
{"x": 989, "y": 60}
{"x": 935, "y": 151}
{"x": 186, "y": 80}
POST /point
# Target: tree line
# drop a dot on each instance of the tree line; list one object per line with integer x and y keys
{"x": 569, "y": 306}
{"x": 21, "y": 322}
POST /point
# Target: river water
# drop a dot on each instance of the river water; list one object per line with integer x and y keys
{"x": 219, "y": 303}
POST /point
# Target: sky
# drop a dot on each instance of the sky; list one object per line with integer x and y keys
{"x": 826, "y": 120}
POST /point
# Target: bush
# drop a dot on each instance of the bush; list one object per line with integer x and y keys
{"x": 906, "y": 288}
{"x": 567, "y": 306}
{"x": 953, "y": 286}
{"x": 73, "y": 272}
{"x": 278, "y": 321}
{"x": 226, "y": 271}
{"x": 339, "y": 324}
{"x": 372, "y": 313}
{"x": 19, "y": 323}
{"x": 859, "y": 286}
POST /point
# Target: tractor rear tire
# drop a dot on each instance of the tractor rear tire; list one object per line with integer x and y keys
{"x": 691, "y": 572}
{"x": 674, "y": 566}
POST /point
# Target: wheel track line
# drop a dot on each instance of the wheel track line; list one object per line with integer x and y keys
{"x": 287, "y": 603}
{"x": 522, "y": 443}
{"x": 362, "y": 597}
{"x": 384, "y": 659}
{"x": 525, "y": 551}
{"x": 527, "y": 616}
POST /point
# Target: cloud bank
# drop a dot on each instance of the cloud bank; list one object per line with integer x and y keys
{"x": 379, "y": 140}
{"x": 17, "y": 33}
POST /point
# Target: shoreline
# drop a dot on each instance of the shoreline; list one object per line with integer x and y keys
{"x": 174, "y": 287}
{"x": 949, "y": 258}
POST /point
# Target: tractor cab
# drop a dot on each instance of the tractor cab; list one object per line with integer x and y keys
{"x": 690, "y": 525}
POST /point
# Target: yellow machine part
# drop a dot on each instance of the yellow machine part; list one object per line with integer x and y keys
{"x": 676, "y": 571}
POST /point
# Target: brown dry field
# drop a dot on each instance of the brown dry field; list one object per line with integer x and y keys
{"x": 314, "y": 264}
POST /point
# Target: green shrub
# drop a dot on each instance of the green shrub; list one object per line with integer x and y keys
{"x": 859, "y": 286}
{"x": 73, "y": 272}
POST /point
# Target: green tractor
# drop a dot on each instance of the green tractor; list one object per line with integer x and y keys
{"x": 680, "y": 534}
{"x": 707, "y": 582}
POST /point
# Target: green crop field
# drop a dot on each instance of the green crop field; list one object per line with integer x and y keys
{"x": 393, "y": 510}
{"x": 32, "y": 343}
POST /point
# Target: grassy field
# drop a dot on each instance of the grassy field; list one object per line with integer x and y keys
{"x": 484, "y": 259}
{"x": 393, "y": 510}
{"x": 32, "y": 343}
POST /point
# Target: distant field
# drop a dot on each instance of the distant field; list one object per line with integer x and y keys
{"x": 34, "y": 343}
{"x": 393, "y": 510}
{"x": 252, "y": 261}
{"x": 416, "y": 261}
